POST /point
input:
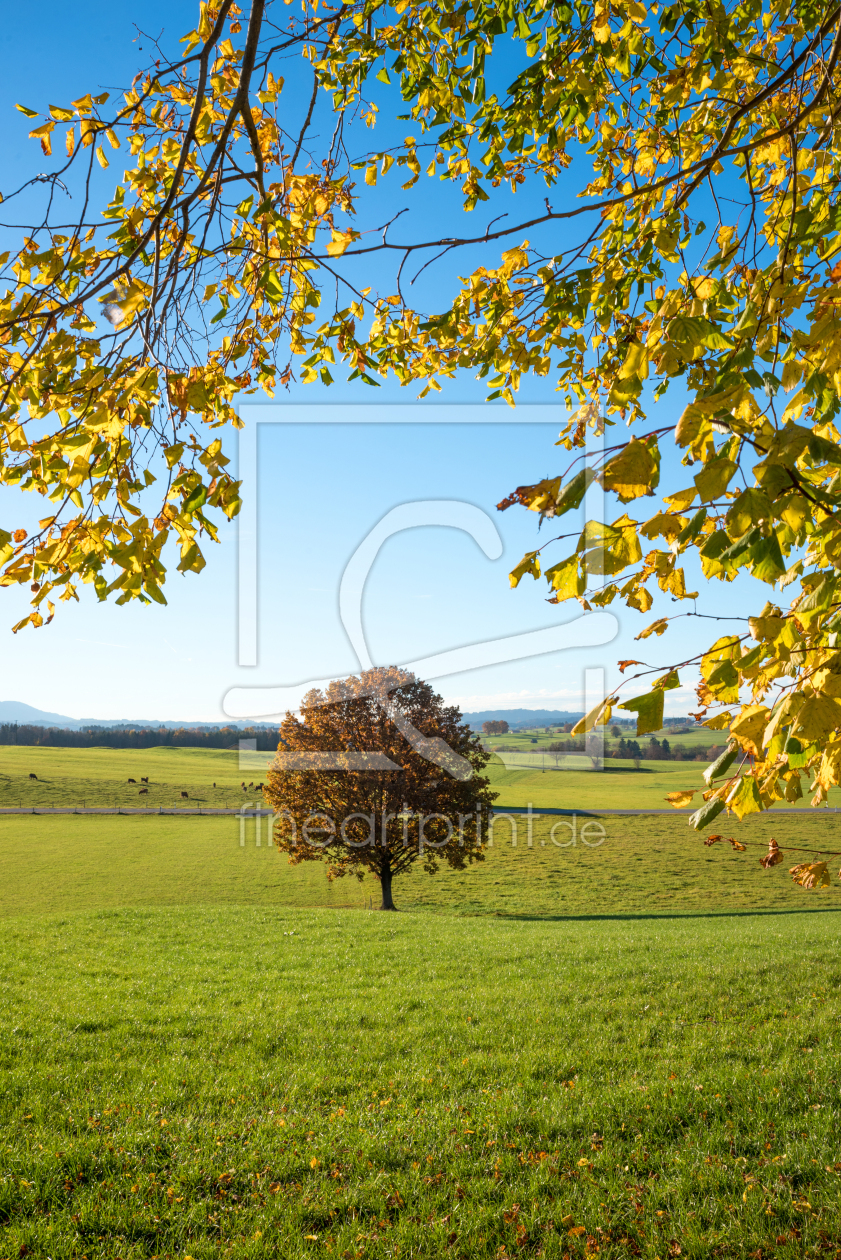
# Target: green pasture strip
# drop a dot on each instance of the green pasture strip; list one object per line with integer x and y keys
{"x": 197, "y": 1082}
{"x": 525, "y": 740}
{"x": 197, "y": 765}
{"x": 618, "y": 786}
{"x": 637, "y": 865}
{"x": 98, "y": 777}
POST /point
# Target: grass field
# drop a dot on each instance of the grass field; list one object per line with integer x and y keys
{"x": 98, "y": 776}
{"x": 199, "y": 1082}
{"x": 643, "y": 865}
{"x": 614, "y": 1041}
{"x": 618, "y": 786}
{"x": 539, "y": 738}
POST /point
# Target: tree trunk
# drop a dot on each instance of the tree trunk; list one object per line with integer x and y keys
{"x": 385, "y": 884}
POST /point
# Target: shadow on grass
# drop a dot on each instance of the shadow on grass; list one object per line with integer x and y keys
{"x": 642, "y": 915}
{"x": 625, "y": 770}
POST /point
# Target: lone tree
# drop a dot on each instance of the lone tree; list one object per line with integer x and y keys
{"x": 680, "y": 239}
{"x": 377, "y": 773}
{"x": 498, "y": 727}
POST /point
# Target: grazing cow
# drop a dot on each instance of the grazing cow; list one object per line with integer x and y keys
{"x": 144, "y": 780}
{"x": 214, "y": 785}
{"x": 33, "y": 776}
{"x": 244, "y": 788}
{"x": 185, "y": 795}
{"x": 251, "y": 784}
{"x": 242, "y": 785}
{"x": 259, "y": 787}
{"x": 132, "y": 780}
{"x": 143, "y": 792}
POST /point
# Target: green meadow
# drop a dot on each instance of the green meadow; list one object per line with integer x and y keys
{"x": 99, "y": 777}
{"x": 538, "y": 739}
{"x": 609, "y": 1040}
{"x": 614, "y": 866}
{"x": 251, "y": 1081}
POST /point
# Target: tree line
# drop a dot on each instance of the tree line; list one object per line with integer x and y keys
{"x": 632, "y": 750}
{"x": 137, "y": 737}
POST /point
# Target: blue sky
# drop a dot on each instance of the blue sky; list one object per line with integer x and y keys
{"x": 322, "y": 488}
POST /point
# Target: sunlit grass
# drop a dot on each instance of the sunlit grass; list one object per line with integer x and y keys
{"x": 613, "y": 1041}
{"x": 258, "y": 1082}
{"x": 99, "y": 777}
{"x": 637, "y": 865}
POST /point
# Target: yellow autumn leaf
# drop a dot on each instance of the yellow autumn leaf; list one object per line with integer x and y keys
{"x": 714, "y": 479}
{"x": 599, "y": 716}
{"x": 679, "y": 800}
{"x": 632, "y": 473}
{"x": 42, "y": 133}
{"x": 816, "y": 717}
{"x": 611, "y": 548}
{"x": 682, "y": 499}
{"x": 810, "y": 875}
{"x": 100, "y": 157}
{"x": 649, "y": 711}
{"x": 663, "y": 525}
{"x": 749, "y": 727}
{"x": 601, "y": 25}
{"x": 744, "y": 798}
{"x": 829, "y": 770}
{"x": 751, "y": 507}
{"x": 530, "y": 563}
{"x": 657, "y": 627}
{"x": 340, "y": 242}
{"x": 719, "y": 722}
{"x": 636, "y": 362}
{"x": 783, "y": 715}
{"x": 566, "y": 580}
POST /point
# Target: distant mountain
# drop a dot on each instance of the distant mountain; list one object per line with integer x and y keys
{"x": 26, "y": 715}
{"x": 522, "y": 717}
{"x": 16, "y": 711}
{"x": 552, "y": 717}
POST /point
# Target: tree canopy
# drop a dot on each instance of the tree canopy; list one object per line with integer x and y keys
{"x": 680, "y": 168}
{"x": 375, "y": 775}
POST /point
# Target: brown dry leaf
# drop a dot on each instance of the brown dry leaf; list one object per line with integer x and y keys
{"x": 835, "y": 274}
{"x": 773, "y": 856}
{"x": 737, "y": 845}
{"x": 623, "y": 665}
{"x": 712, "y": 840}
{"x": 512, "y": 1213}
{"x": 810, "y": 874}
{"x": 657, "y": 627}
